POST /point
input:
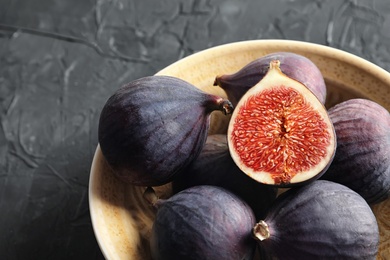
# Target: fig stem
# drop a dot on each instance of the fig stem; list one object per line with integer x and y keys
{"x": 150, "y": 196}
{"x": 217, "y": 81}
{"x": 274, "y": 64}
{"x": 261, "y": 231}
{"x": 218, "y": 103}
{"x": 226, "y": 106}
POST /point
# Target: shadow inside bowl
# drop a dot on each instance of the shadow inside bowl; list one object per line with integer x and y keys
{"x": 125, "y": 211}
{"x": 337, "y": 93}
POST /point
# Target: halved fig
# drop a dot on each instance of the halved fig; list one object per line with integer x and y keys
{"x": 294, "y": 65}
{"x": 280, "y": 133}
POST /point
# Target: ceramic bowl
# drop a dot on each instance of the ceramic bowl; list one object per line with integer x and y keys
{"x": 122, "y": 219}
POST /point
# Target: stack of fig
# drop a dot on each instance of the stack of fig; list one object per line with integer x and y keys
{"x": 334, "y": 162}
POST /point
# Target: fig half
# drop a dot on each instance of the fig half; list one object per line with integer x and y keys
{"x": 152, "y": 127}
{"x": 362, "y": 159}
{"x": 203, "y": 222}
{"x": 280, "y": 133}
{"x": 320, "y": 220}
{"x": 294, "y": 65}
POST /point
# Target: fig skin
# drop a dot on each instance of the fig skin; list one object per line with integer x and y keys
{"x": 362, "y": 159}
{"x": 203, "y": 222}
{"x": 152, "y": 127}
{"x": 280, "y": 133}
{"x": 294, "y": 65}
{"x": 321, "y": 220}
{"x": 214, "y": 166}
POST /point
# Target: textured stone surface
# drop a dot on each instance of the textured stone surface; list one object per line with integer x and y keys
{"x": 61, "y": 60}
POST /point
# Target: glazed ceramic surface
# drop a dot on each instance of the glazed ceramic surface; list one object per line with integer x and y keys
{"x": 122, "y": 219}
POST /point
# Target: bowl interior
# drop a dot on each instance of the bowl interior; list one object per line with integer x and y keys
{"x": 122, "y": 219}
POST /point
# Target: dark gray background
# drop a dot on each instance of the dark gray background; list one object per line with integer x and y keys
{"x": 60, "y": 60}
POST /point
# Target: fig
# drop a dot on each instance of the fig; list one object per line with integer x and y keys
{"x": 152, "y": 127}
{"x": 203, "y": 222}
{"x": 214, "y": 166}
{"x": 320, "y": 220}
{"x": 294, "y": 65}
{"x": 362, "y": 159}
{"x": 280, "y": 133}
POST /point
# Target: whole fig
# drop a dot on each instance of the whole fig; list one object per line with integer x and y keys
{"x": 280, "y": 133}
{"x": 294, "y": 65}
{"x": 154, "y": 126}
{"x": 203, "y": 222}
{"x": 215, "y": 166}
{"x": 362, "y": 159}
{"x": 320, "y": 220}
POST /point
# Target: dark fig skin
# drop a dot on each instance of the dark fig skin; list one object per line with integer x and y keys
{"x": 203, "y": 222}
{"x": 214, "y": 166}
{"x": 154, "y": 126}
{"x": 293, "y": 65}
{"x": 362, "y": 159}
{"x": 321, "y": 220}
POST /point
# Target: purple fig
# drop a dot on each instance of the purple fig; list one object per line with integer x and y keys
{"x": 362, "y": 159}
{"x": 320, "y": 220}
{"x": 293, "y": 65}
{"x": 154, "y": 126}
{"x": 203, "y": 222}
{"x": 215, "y": 166}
